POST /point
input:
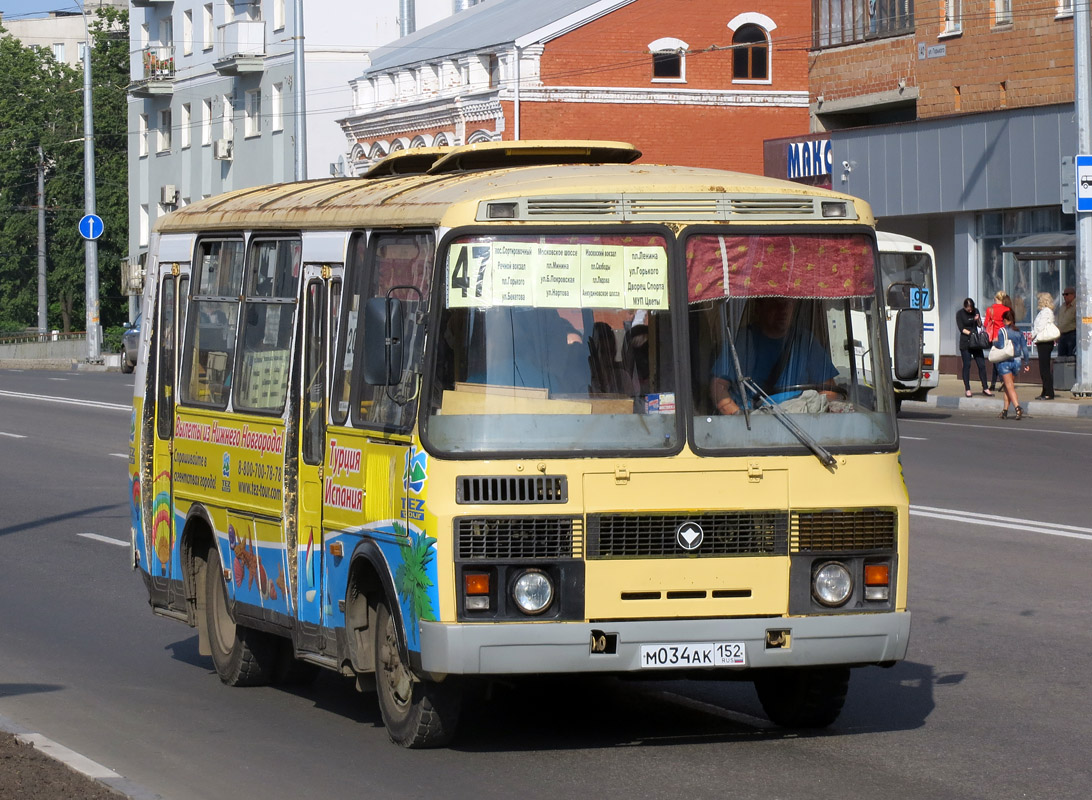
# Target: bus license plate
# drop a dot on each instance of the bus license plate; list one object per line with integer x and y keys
{"x": 694, "y": 654}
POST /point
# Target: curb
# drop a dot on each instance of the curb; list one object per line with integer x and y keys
{"x": 78, "y": 763}
{"x": 1032, "y": 408}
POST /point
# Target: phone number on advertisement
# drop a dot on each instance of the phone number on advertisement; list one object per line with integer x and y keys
{"x": 261, "y": 472}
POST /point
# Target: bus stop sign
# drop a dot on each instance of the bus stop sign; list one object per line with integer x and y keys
{"x": 1084, "y": 183}
{"x": 91, "y": 226}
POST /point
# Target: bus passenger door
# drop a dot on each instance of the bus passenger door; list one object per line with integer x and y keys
{"x": 160, "y": 531}
{"x": 310, "y": 548}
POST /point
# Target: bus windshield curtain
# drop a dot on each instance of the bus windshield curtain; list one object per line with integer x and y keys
{"x": 809, "y": 265}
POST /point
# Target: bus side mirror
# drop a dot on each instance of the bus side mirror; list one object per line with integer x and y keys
{"x": 906, "y": 350}
{"x": 383, "y": 341}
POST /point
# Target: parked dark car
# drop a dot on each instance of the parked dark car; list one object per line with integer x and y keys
{"x": 129, "y": 343}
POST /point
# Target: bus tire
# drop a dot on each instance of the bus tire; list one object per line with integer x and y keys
{"x": 803, "y": 698}
{"x": 418, "y": 713}
{"x": 242, "y": 656}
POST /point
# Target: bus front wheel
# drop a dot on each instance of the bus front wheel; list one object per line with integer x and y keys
{"x": 242, "y": 656}
{"x": 803, "y": 698}
{"x": 417, "y": 712}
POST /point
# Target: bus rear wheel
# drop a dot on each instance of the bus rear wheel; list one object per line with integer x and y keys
{"x": 418, "y": 713}
{"x": 242, "y": 656}
{"x": 803, "y": 698}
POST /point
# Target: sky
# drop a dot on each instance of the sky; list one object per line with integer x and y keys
{"x": 18, "y": 9}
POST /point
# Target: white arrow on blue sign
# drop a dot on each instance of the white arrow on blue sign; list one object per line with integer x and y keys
{"x": 1084, "y": 183}
{"x": 91, "y": 226}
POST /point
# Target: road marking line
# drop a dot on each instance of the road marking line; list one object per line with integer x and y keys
{"x": 993, "y": 520}
{"x": 99, "y": 538}
{"x": 915, "y": 438}
{"x": 91, "y": 769}
{"x": 120, "y": 455}
{"x": 49, "y": 399}
{"x": 13, "y": 435}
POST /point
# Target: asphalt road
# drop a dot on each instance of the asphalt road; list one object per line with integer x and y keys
{"x": 991, "y": 702}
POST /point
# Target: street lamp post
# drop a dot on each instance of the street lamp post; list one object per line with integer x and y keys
{"x": 90, "y": 246}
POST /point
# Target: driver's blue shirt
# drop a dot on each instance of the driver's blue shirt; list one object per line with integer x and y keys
{"x": 807, "y": 362}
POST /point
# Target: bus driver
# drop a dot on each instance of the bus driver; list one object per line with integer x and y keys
{"x": 782, "y": 358}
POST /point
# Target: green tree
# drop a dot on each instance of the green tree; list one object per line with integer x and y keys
{"x": 65, "y": 188}
{"x": 25, "y": 90}
{"x": 41, "y": 105}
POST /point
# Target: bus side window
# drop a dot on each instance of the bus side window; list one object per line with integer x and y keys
{"x": 314, "y": 349}
{"x": 208, "y": 353}
{"x": 166, "y": 365}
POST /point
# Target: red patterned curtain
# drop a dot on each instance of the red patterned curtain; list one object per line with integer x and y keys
{"x": 786, "y": 265}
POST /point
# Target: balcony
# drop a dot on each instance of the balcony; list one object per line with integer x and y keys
{"x": 150, "y": 3}
{"x": 157, "y": 74}
{"x": 242, "y": 47}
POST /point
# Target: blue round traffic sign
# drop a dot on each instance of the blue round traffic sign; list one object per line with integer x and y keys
{"x": 91, "y": 226}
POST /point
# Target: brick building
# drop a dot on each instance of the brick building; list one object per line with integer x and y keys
{"x": 688, "y": 83}
{"x": 952, "y": 119}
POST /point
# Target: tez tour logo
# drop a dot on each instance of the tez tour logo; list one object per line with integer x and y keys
{"x": 689, "y": 535}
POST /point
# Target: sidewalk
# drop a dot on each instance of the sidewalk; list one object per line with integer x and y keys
{"x": 950, "y": 394}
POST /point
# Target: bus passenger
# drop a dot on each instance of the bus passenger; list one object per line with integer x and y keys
{"x": 783, "y": 358}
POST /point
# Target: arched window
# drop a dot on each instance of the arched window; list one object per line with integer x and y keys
{"x": 750, "y": 54}
{"x": 668, "y": 59}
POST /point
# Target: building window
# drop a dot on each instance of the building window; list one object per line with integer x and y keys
{"x": 166, "y": 32}
{"x": 187, "y": 33}
{"x": 163, "y": 139}
{"x": 837, "y": 22}
{"x": 278, "y": 15}
{"x": 226, "y": 115}
{"x": 82, "y": 46}
{"x": 1065, "y": 8}
{"x": 276, "y": 102}
{"x": 58, "y": 51}
{"x": 668, "y": 60}
{"x": 953, "y": 18}
{"x": 207, "y": 30}
{"x": 142, "y": 134}
{"x": 253, "y": 113}
{"x": 206, "y": 121}
{"x": 184, "y": 127}
{"x": 1002, "y": 12}
{"x": 750, "y": 54}
{"x": 142, "y": 235}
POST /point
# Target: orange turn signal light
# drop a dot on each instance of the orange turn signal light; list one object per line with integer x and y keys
{"x": 877, "y": 574}
{"x": 476, "y": 583}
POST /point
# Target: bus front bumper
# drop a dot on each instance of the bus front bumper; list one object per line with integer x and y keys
{"x": 566, "y": 647}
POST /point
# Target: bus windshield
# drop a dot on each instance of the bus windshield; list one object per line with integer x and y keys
{"x": 554, "y": 343}
{"x": 786, "y": 342}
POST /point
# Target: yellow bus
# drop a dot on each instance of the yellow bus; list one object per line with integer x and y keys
{"x": 523, "y": 408}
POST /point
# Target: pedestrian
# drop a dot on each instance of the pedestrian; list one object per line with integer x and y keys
{"x": 968, "y": 321}
{"x": 1008, "y": 368}
{"x": 993, "y": 324}
{"x": 1066, "y": 320}
{"x": 1044, "y": 333}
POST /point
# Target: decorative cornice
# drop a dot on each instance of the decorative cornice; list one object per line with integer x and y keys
{"x": 440, "y": 113}
{"x": 719, "y": 98}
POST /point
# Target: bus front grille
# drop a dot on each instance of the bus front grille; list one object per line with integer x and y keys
{"x": 736, "y": 533}
{"x": 504, "y": 489}
{"x": 841, "y": 531}
{"x": 509, "y": 538}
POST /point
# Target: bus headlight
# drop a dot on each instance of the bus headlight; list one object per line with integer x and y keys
{"x": 533, "y": 592}
{"x": 832, "y": 584}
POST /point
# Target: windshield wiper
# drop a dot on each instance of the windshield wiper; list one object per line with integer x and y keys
{"x": 746, "y": 404}
{"x": 824, "y": 455}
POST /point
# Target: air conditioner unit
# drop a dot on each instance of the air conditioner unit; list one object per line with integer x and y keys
{"x": 168, "y": 194}
{"x": 221, "y": 149}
